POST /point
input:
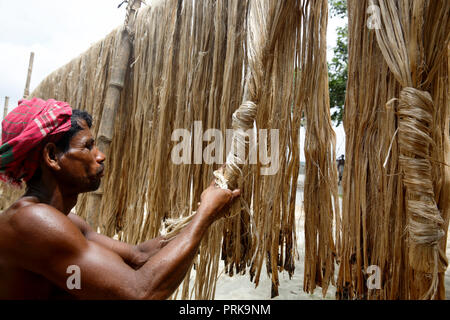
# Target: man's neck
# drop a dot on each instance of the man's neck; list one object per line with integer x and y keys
{"x": 51, "y": 194}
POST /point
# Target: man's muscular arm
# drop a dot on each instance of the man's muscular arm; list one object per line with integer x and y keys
{"x": 134, "y": 256}
{"x": 47, "y": 243}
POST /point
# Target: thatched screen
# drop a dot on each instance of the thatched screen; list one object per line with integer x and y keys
{"x": 191, "y": 61}
{"x": 396, "y": 185}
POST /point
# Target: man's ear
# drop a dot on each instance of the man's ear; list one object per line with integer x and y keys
{"x": 50, "y": 156}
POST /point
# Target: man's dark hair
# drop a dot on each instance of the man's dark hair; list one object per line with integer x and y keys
{"x": 63, "y": 143}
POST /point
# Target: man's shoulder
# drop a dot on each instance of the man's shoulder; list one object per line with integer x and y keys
{"x": 40, "y": 224}
{"x": 28, "y": 215}
{"x": 34, "y": 233}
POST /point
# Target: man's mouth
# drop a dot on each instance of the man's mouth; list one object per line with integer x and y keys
{"x": 101, "y": 172}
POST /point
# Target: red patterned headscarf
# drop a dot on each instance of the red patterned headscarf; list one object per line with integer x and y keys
{"x": 23, "y": 131}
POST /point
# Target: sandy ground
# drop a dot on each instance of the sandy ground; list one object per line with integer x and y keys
{"x": 239, "y": 287}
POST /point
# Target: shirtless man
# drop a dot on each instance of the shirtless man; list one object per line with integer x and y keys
{"x": 40, "y": 239}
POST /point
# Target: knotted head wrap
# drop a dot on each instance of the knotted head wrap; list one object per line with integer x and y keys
{"x": 24, "y": 130}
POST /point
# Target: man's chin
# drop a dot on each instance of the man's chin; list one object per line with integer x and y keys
{"x": 95, "y": 185}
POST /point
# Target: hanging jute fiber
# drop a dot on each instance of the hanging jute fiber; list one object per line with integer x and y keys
{"x": 197, "y": 62}
{"x": 396, "y": 179}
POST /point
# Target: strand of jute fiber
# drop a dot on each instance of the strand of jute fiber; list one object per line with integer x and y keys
{"x": 190, "y": 62}
{"x": 119, "y": 69}
{"x": 396, "y": 184}
{"x": 321, "y": 190}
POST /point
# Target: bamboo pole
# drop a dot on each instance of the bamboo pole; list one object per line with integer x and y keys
{"x": 26, "y": 92}
{"x": 5, "y": 110}
{"x": 105, "y": 133}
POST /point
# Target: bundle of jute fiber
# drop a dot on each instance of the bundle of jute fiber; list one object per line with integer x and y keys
{"x": 189, "y": 70}
{"x": 263, "y": 24}
{"x": 321, "y": 191}
{"x": 266, "y": 20}
{"x": 396, "y": 182}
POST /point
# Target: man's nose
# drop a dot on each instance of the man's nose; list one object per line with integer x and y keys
{"x": 100, "y": 158}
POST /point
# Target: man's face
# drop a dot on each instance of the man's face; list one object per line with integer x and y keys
{"x": 82, "y": 164}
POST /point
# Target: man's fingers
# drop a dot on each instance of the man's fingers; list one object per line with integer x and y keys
{"x": 236, "y": 193}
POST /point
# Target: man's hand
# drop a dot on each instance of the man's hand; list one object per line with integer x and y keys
{"x": 213, "y": 199}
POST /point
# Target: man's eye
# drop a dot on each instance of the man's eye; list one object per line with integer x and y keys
{"x": 90, "y": 146}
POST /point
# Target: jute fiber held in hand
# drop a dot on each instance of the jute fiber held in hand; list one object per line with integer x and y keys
{"x": 396, "y": 183}
{"x": 199, "y": 61}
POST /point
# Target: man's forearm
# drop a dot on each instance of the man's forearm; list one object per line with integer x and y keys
{"x": 167, "y": 268}
{"x": 129, "y": 253}
{"x": 150, "y": 247}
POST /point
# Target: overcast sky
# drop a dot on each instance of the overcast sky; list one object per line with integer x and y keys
{"x": 58, "y": 31}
